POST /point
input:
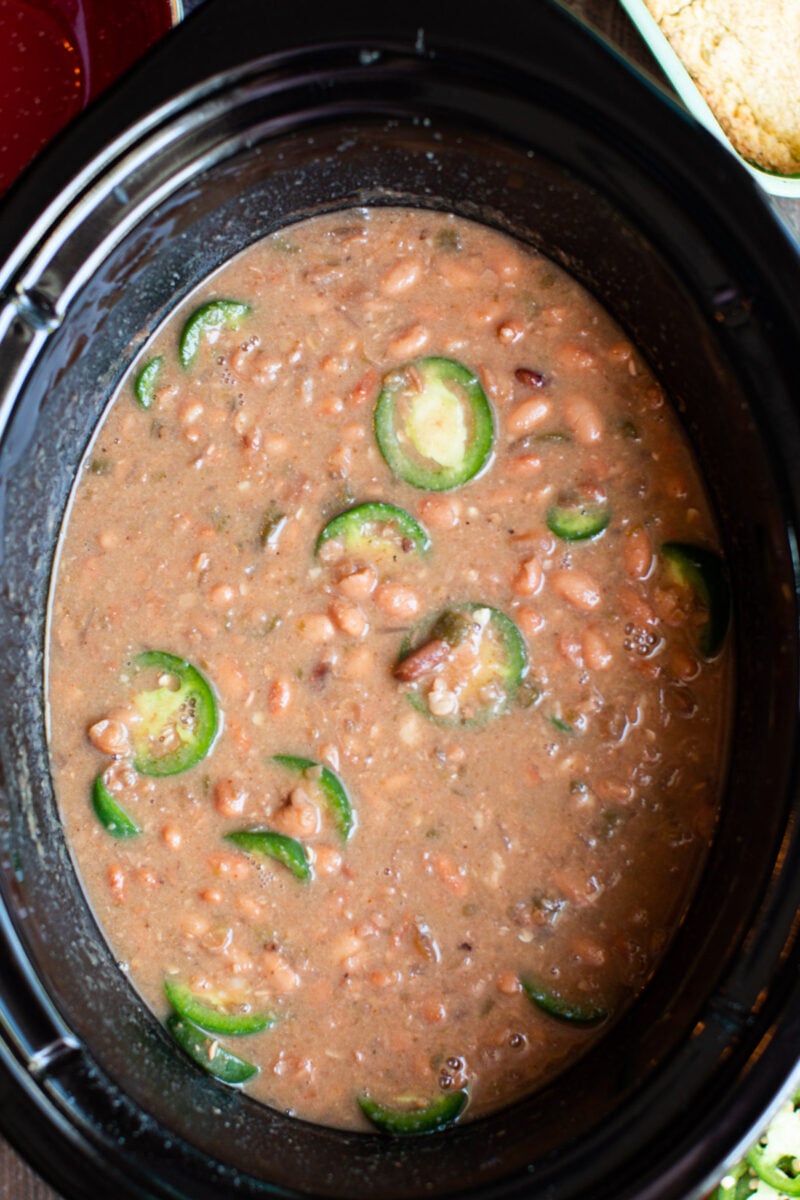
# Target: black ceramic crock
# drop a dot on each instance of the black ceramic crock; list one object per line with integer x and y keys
{"x": 249, "y": 117}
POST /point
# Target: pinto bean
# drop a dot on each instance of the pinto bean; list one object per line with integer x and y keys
{"x": 280, "y": 697}
{"x": 530, "y": 621}
{"x": 230, "y": 798}
{"x": 401, "y": 276}
{"x": 422, "y": 661}
{"x": 316, "y": 628}
{"x": 637, "y": 553}
{"x": 327, "y": 860}
{"x": 222, "y": 595}
{"x": 396, "y": 601}
{"x": 409, "y": 341}
{"x": 441, "y": 512}
{"x": 510, "y": 331}
{"x": 363, "y": 390}
{"x": 530, "y": 378}
{"x": 358, "y": 585}
{"x": 577, "y": 588}
{"x": 109, "y": 737}
{"x": 529, "y": 578}
{"x": 279, "y": 974}
{"x": 508, "y": 983}
{"x": 526, "y": 415}
{"x": 348, "y": 619}
{"x": 596, "y": 651}
{"x": 584, "y": 420}
{"x": 171, "y": 837}
{"x": 574, "y": 356}
{"x": 298, "y": 817}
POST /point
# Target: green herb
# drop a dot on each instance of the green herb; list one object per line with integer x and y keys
{"x": 219, "y": 519}
{"x": 528, "y": 693}
{"x": 610, "y": 821}
{"x": 284, "y": 245}
{"x": 453, "y": 627}
{"x": 271, "y": 525}
{"x": 448, "y": 240}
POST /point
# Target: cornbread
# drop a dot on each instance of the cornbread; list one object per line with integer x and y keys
{"x": 744, "y": 56}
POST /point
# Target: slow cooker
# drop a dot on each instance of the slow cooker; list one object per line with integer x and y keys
{"x": 245, "y": 119}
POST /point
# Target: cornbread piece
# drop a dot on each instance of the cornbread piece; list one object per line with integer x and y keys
{"x": 744, "y": 56}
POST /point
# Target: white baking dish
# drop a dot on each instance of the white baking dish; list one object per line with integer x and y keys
{"x": 684, "y": 85}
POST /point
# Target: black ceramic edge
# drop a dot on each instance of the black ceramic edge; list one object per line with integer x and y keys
{"x": 24, "y": 200}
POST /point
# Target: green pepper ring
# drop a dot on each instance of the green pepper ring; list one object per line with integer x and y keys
{"x": 271, "y": 844}
{"x": 442, "y": 1111}
{"x": 214, "y": 314}
{"x": 563, "y": 1010}
{"x": 374, "y": 511}
{"x": 704, "y": 572}
{"x": 195, "y": 691}
{"x": 437, "y": 479}
{"x": 145, "y": 381}
{"x": 111, "y": 815}
{"x": 514, "y": 672}
{"x": 331, "y": 786}
{"x": 214, "y": 1020}
{"x": 208, "y": 1053}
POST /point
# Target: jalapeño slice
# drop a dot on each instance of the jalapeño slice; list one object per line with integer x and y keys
{"x": 577, "y": 518}
{"x": 178, "y": 719}
{"x": 703, "y": 572}
{"x": 211, "y": 1019}
{"x": 208, "y": 1053}
{"x": 111, "y": 815}
{"x": 412, "y": 1116}
{"x": 775, "y": 1157}
{"x": 144, "y": 385}
{"x": 433, "y": 424}
{"x": 270, "y": 844}
{"x": 479, "y": 684}
{"x": 210, "y": 317}
{"x": 555, "y": 1005}
{"x": 329, "y": 784}
{"x": 375, "y": 530}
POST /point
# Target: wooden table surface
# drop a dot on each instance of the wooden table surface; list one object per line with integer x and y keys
{"x": 17, "y": 1180}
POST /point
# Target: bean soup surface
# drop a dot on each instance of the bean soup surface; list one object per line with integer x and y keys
{"x": 403, "y": 806}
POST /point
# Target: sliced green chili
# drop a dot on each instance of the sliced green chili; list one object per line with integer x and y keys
{"x": 270, "y": 844}
{"x": 178, "y": 719}
{"x": 210, "y": 317}
{"x": 404, "y": 1118}
{"x": 329, "y": 784}
{"x": 374, "y": 529}
{"x": 111, "y": 815}
{"x": 433, "y": 424}
{"x": 207, "y": 1052}
{"x": 704, "y": 573}
{"x": 501, "y": 654}
{"x": 555, "y": 1005}
{"x": 211, "y": 1019}
{"x": 144, "y": 384}
{"x": 577, "y": 518}
{"x": 776, "y": 1157}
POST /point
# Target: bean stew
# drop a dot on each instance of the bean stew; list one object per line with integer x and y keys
{"x": 389, "y": 671}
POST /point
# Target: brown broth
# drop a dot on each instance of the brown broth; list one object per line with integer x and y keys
{"x": 558, "y": 841}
